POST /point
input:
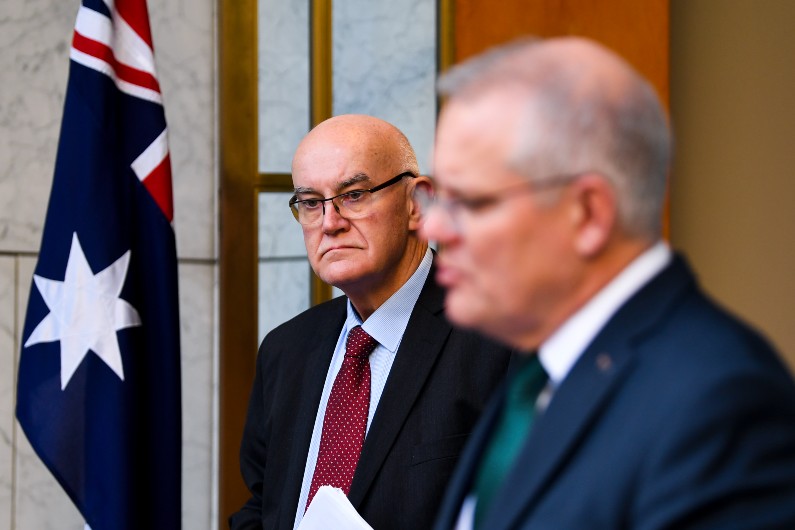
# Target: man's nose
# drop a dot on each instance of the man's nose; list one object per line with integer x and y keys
{"x": 333, "y": 220}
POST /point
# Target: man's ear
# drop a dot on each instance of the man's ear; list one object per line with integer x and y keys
{"x": 594, "y": 213}
{"x": 421, "y": 182}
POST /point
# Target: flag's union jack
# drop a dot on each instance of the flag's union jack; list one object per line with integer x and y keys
{"x": 117, "y": 42}
{"x": 98, "y": 393}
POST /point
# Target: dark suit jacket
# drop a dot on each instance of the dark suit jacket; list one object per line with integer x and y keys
{"x": 439, "y": 383}
{"x": 676, "y": 416}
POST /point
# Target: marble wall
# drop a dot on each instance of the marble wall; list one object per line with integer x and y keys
{"x": 283, "y": 81}
{"x": 283, "y": 267}
{"x": 35, "y": 37}
{"x": 384, "y": 64}
{"x": 7, "y": 378}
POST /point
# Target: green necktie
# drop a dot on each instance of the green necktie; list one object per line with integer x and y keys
{"x": 509, "y": 434}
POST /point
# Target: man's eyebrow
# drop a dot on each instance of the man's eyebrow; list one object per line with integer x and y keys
{"x": 357, "y": 178}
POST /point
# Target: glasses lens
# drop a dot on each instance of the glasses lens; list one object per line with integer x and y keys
{"x": 353, "y": 204}
{"x": 307, "y": 212}
{"x": 295, "y": 212}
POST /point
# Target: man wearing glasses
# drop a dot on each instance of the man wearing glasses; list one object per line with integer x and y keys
{"x": 375, "y": 392}
{"x": 639, "y": 403}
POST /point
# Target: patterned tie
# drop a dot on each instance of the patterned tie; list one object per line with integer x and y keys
{"x": 511, "y": 431}
{"x": 345, "y": 423}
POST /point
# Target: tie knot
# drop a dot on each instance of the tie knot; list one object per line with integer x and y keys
{"x": 528, "y": 381}
{"x": 360, "y": 343}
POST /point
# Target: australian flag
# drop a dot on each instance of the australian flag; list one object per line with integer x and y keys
{"x": 98, "y": 393}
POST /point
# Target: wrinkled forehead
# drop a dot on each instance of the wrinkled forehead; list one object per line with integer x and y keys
{"x": 321, "y": 184}
{"x": 337, "y": 166}
{"x": 332, "y": 161}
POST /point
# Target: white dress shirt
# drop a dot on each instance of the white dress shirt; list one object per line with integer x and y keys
{"x": 386, "y": 325}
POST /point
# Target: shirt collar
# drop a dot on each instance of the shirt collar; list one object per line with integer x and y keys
{"x": 564, "y": 347}
{"x": 389, "y": 321}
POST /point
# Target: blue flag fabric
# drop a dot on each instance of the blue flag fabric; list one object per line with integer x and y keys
{"x": 98, "y": 392}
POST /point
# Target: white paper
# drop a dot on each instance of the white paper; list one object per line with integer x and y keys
{"x": 330, "y": 508}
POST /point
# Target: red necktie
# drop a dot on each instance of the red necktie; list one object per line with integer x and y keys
{"x": 345, "y": 423}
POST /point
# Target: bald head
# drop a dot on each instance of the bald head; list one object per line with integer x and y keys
{"x": 357, "y": 136}
{"x": 584, "y": 109}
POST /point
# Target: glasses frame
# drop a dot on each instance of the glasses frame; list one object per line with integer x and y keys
{"x": 295, "y": 200}
{"x": 454, "y": 206}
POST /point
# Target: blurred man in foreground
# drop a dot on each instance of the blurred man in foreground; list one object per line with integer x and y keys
{"x": 639, "y": 403}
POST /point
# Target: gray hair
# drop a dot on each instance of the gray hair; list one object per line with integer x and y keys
{"x": 407, "y": 156}
{"x": 574, "y": 122}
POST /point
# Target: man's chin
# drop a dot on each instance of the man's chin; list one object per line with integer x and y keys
{"x": 339, "y": 275}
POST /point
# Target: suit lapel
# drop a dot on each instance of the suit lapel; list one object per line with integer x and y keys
{"x": 556, "y": 433}
{"x": 587, "y": 389}
{"x": 315, "y": 362}
{"x": 421, "y": 345}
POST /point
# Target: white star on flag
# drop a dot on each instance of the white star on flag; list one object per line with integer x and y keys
{"x": 85, "y": 312}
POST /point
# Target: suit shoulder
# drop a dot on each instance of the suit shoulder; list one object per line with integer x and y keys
{"x": 700, "y": 356}
{"x": 309, "y": 318}
{"x": 710, "y": 336}
{"x": 304, "y": 329}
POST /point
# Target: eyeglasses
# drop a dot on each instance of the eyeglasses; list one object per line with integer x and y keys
{"x": 352, "y": 204}
{"x": 459, "y": 207}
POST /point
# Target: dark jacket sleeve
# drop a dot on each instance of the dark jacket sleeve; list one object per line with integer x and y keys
{"x": 253, "y": 454}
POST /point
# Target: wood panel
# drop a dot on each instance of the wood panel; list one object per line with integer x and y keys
{"x": 637, "y": 30}
{"x": 322, "y": 100}
{"x": 237, "y": 124}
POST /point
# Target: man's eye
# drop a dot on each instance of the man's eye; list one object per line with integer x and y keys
{"x": 473, "y": 204}
{"x": 354, "y": 196}
{"x": 310, "y": 204}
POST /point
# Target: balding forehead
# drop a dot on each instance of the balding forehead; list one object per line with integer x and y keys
{"x": 359, "y": 138}
{"x": 354, "y": 126}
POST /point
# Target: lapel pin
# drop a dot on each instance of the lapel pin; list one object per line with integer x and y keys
{"x": 604, "y": 362}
